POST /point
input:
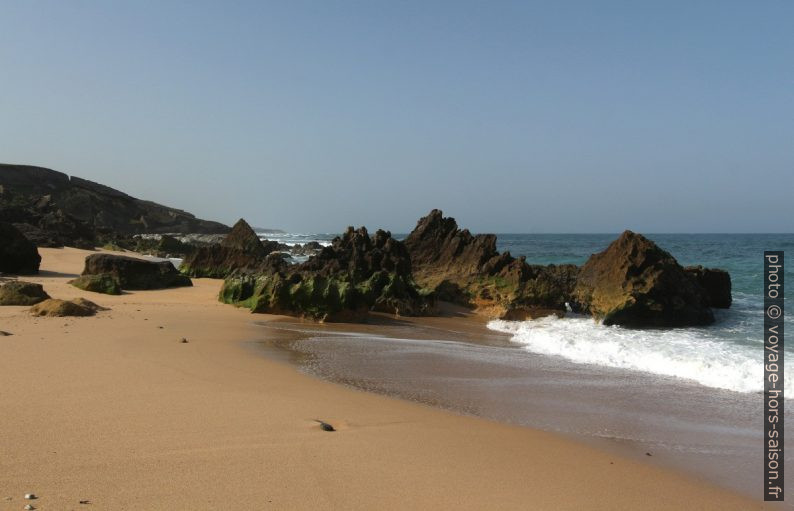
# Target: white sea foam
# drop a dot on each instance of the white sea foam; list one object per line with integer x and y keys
{"x": 292, "y": 239}
{"x": 693, "y": 353}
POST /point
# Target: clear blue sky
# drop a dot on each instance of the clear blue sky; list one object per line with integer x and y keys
{"x": 590, "y": 116}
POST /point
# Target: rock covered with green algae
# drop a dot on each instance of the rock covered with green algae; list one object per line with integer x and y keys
{"x": 104, "y": 283}
{"x": 343, "y": 282}
{"x": 20, "y": 292}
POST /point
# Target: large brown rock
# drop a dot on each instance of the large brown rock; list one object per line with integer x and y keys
{"x": 439, "y": 249}
{"x": 241, "y": 250}
{"x": 17, "y": 254}
{"x": 19, "y": 292}
{"x": 637, "y": 284}
{"x": 343, "y": 282}
{"x": 469, "y": 270}
{"x": 715, "y": 282}
{"x": 134, "y": 273}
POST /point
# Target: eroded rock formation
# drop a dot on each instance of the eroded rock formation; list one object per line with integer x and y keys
{"x": 468, "y": 269}
{"x": 343, "y": 282}
{"x": 240, "y": 251}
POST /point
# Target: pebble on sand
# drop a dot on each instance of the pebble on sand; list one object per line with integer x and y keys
{"x": 30, "y": 496}
{"x": 325, "y": 426}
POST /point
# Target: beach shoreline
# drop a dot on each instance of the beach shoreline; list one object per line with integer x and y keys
{"x": 116, "y": 410}
{"x": 458, "y": 364}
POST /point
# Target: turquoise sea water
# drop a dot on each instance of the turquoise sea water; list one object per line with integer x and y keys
{"x": 739, "y": 254}
{"x": 725, "y": 355}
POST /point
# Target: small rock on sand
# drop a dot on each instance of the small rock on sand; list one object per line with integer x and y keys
{"x": 30, "y": 496}
{"x": 28, "y": 507}
{"x": 325, "y": 426}
{"x": 4, "y": 334}
{"x": 60, "y": 308}
{"x": 183, "y": 340}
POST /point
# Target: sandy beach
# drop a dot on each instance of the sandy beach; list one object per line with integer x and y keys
{"x": 116, "y": 410}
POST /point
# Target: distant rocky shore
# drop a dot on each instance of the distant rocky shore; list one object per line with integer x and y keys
{"x": 632, "y": 283}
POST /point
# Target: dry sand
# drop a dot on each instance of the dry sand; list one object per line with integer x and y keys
{"x": 114, "y": 409}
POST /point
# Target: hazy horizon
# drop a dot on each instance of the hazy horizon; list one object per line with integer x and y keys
{"x": 512, "y": 117}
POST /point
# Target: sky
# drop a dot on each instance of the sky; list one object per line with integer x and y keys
{"x": 667, "y": 116}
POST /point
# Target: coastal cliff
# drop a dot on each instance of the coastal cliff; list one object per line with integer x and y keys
{"x": 53, "y": 209}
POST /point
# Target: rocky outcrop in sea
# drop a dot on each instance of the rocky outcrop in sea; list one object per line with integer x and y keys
{"x": 637, "y": 284}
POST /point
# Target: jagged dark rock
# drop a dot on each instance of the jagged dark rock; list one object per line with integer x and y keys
{"x": 104, "y": 283}
{"x": 56, "y": 210}
{"x": 637, "y": 284}
{"x": 134, "y": 273}
{"x": 18, "y": 292}
{"x": 439, "y": 249}
{"x": 241, "y": 250}
{"x": 17, "y": 254}
{"x": 343, "y": 282}
{"x": 716, "y": 283}
{"x": 469, "y": 270}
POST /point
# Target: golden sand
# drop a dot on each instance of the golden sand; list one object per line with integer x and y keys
{"x": 116, "y": 410}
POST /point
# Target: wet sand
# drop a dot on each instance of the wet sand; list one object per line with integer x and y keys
{"x": 115, "y": 410}
{"x": 456, "y": 363}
